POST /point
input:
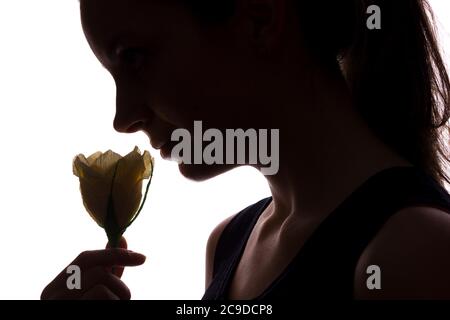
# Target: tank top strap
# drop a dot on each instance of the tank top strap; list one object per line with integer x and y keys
{"x": 230, "y": 243}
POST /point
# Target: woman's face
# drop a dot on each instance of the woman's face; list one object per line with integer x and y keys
{"x": 169, "y": 71}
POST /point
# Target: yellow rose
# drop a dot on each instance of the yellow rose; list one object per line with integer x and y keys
{"x": 111, "y": 187}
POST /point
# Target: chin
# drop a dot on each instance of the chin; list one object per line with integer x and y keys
{"x": 202, "y": 172}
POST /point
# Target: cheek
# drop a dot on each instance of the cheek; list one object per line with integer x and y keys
{"x": 208, "y": 91}
{"x": 200, "y": 83}
{"x": 223, "y": 88}
{"x": 170, "y": 91}
{"x": 183, "y": 93}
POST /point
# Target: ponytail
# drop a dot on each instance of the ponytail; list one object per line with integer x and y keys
{"x": 397, "y": 76}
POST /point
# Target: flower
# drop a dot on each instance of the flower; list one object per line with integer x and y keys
{"x": 111, "y": 187}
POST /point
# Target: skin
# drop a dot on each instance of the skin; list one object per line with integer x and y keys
{"x": 101, "y": 271}
{"x": 256, "y": 66}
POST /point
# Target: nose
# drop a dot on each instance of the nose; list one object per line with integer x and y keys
{"x": 134, "y": 127}
{"x": 131, "y": 114}
{"x": 126, "y": 126}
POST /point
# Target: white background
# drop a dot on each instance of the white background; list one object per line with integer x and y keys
{"x": 56, "y": 101}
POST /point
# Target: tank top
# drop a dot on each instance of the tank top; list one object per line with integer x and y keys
{"x": 325, "y": 265}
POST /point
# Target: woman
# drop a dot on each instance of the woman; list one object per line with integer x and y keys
{"x": 358, "y": 207}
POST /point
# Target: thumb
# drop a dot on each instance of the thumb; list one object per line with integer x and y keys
{"x": 118, "y": 271}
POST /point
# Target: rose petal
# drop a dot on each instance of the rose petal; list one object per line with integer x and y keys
{"x": 148, "y": 165}
{"x": 95, "y": 193}
{"x": 93, "y": 157}
{"x": 106, "y": 161}
{"x": 127, "y": 190}
{"x": 96, "y": 176}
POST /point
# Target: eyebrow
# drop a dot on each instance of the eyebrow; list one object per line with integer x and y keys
{"x": 111, "y": 44}
{"x": 106, "y": 52}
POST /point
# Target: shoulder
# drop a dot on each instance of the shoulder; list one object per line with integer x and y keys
{"x": 211, "y": 248}
{"x": 246, "y": 217}
{"x": 412, "y": 251}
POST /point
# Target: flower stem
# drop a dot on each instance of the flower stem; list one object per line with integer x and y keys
{"x": 143, "y": 199}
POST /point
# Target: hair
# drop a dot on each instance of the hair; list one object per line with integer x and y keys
{"x": 397, "y": 75}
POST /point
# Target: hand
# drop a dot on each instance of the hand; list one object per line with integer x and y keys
{"x": 100, "y": 275}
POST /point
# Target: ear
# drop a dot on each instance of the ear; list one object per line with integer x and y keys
{"x": 264, "y": 22}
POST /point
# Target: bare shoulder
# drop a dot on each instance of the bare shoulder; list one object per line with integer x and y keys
{"x": 410, "y": 255}
{"x": 211, "y": 248}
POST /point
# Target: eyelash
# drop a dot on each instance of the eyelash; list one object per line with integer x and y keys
{"x": 131, "y": 57}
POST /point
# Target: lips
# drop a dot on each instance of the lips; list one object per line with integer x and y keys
{"x": 155, "y": 143}
{"x": 166, "y": 149}
{"x": 165, "y": 146}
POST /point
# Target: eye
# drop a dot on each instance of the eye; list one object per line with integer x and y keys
{"x": 132, "y": 58}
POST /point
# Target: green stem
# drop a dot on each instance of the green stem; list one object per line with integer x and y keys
{"x": 112, "y": 230}
{"x": 143, "y": 200}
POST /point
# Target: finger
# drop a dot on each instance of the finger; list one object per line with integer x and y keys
{"x": 88, "y": 259}
{"x": 90, "y": 279}
{"x": 99, "y": 292}
{"x": 58, "y": 287}
{"x": 109, "y": 258}
{"x": 118, "y": 271}
{"x": 99, "y": 275}
{"x": 49, "y": 290}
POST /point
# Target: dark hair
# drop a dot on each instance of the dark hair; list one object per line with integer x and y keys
{"x": 397, "y": 75}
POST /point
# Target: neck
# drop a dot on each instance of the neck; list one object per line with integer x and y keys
{"x": 326, "y": 152}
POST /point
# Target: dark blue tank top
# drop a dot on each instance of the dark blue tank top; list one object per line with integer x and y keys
{"x": 325, "y": 265}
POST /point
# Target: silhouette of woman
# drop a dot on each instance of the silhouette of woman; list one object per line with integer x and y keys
{"x": 359, "y": 195}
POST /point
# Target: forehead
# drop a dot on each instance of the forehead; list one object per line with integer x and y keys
{"x": 106, "y": 20}
{"x": 103, "y": 17}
